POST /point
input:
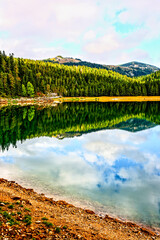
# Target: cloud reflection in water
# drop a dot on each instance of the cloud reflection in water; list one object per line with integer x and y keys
{"x": 113, "y": 170}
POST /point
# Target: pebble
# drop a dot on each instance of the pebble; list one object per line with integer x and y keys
{"x": 16, "y": 198}
{"x": 2, "y": 204}
{"x": 37, "y": 222}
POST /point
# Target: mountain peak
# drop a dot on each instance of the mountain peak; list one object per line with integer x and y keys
{"x": 135, "y": 64}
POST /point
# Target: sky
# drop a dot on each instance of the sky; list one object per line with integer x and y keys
{"x": 101, "y": 31}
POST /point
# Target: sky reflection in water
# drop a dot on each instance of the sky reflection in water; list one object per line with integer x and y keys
{"x": 111, "y": 171}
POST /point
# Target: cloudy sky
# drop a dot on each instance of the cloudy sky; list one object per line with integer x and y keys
{"x": 102, "y": 31}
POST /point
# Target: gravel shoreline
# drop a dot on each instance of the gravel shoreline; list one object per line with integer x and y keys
{"x": 25, "y": 214}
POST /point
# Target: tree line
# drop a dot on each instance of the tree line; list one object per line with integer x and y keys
{"x": 29, "y": 78}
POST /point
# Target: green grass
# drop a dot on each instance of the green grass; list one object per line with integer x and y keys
{"x": 9, "y": 218}
{"x": 48, "y": 224}
{"x": 13, "y": 222}
{"x": 26, "y": 209}
{"x": 14, "y": 101}
{"x": 6, "y": 215}
{"x": 27, "y": 219}
{"x": 13, "y": 214}
{"x": 11, "y": 206}
{"x": 44, "y": 218}
{"x": 57, "y": 230}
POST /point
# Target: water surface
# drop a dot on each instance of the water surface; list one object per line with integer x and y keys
{"x": 102, "y": 156}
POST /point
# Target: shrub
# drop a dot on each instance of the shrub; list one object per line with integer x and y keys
{"x": 44, "y": 218}
{"x": 11, "y": 206}
{"x": 57, "y": 229}
{"x": 48, "y": 224}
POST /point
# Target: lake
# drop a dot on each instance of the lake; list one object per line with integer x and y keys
{"x": 102, "y": 156}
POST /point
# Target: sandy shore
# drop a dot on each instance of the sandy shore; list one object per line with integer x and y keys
{"x": 25, "y": 214}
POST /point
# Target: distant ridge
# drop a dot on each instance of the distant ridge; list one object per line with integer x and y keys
{"x": 131, "y": 69}
{"x": 135, "y": 64}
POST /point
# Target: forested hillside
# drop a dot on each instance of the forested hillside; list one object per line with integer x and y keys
{"x": 23, "y": 77}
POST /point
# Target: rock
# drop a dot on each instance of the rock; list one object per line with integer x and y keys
{"x": 37, "y": 222}
{"x": 89, "y": 211}
{"x": 16, "y": 198}
{"x": 148, "y": 231}
{"x": 2, "y": 204}
{"x": 28, "y": 202}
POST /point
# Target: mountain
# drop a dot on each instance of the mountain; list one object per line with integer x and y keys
{"x": 131, "y": 125}
{"x": 135, "y": 125}
{"x": 140, "y": 69}
{"x": 131, "y": 69}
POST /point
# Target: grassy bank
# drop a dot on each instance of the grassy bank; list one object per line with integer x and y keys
{"x": 110, "y": 99}
{"x": 51, "y": 100}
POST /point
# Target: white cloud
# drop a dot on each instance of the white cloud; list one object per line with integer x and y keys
{"x": 90, "y": 35}
{"x": 114, "y": 48}
{"x": 58, "y": 165}
{"x": 34, "y": 25}
{"x": 47, "y": 19}
{"x": 104, "y": 44}
{"x": 108, "y": 151}
{"x": 144, "y": 13}
{"x": 153, "y": 163}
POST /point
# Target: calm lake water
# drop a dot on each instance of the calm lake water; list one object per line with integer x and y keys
{"x": 102, "y": 156}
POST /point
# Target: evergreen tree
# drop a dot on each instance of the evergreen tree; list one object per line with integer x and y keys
{"x": 24, "y": 92}
{"x": 30, "y": 89}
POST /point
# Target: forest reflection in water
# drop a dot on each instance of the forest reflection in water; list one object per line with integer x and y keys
{"x": 67, "y": 119}
{"x": 113, "y": 170}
